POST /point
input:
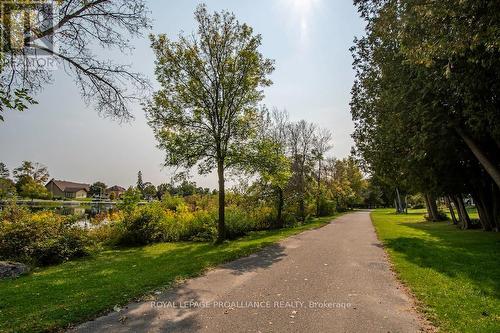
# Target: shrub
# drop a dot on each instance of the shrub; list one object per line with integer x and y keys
{"x": 263, "y": 217}
{"x": 327, "y": 207}
{"x": 42, "y": 238}
{"x": 153, "y": 223}
{"x": 106, "y": 227}
{"x": 130, "y": 199}
{"x": 204, "y": 226}
{"x": 238, "y": 222}
{"x": 173, "y": 203}
{"x": 143, "y": 225}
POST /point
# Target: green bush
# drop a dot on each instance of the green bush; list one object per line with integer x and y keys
{"x": 327, "y": 207}
{"x": 154, "y": 223}
{"x": 173, "y": 203}
{"x": 42, "y": 238}
{"x": 237, "y": 222}
{"x": 143, "y": 225}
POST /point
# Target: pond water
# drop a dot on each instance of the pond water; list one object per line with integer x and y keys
{"x": 86, "y": 210}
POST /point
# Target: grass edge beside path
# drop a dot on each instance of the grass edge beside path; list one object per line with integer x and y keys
{"x": 57, "y": 297}
{"x": 453, "y": 274}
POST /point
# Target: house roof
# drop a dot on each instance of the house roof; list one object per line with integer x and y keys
{"x": 71, "y": 187}
{"x": 116, "y": 188}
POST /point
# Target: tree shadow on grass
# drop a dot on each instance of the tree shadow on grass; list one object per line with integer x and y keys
{"x": 452, "y": 252}
{"x": 170, "y": 312}
{"x": 76, "y": 291}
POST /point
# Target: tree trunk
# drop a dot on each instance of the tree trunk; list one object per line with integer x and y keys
{"x": 432, "y": 211}
{"x": 318, "y": 197}
{"x": 221, "y": 225}
{"x": 279, "y": 218}
{"x": 462, "y": 213}
{"x": 400, "y": 206}
{"x": 485, "y": 205}
{"x": 302, "y": 209}
{"x": 452, "y": 212}
{"x": 484, "y": 216}
{"x": 490, "y": 168}
{"x": 496, "y": 210}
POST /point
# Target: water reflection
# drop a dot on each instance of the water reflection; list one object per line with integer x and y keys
{"x": 85, "y": 210}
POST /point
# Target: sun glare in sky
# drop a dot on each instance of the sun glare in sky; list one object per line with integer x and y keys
{"x": 301, "y": 14}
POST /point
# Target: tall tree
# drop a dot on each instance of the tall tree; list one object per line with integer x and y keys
{"x": 301, "y": 139}
{"x": 4, "y": 172}
{"x": 140, "y": 182}
{"x": 68, "y": 31}
{"x": 268, "y": 158}
{"x": 97, "y": 189}
{"x": 149, "y": 191}
{"x": 206, "y": 111}
{"x": 37, "y": 171}
{"x": 321, "y": 144}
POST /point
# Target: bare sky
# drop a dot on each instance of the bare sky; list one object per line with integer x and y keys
{"x": 309, "y": 39}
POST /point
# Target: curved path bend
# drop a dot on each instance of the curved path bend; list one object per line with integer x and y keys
{"x": 333, "y": 279}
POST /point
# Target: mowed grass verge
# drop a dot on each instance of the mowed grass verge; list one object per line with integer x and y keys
{"x": 52, "y": 298}
{"x": 454, "y": 274}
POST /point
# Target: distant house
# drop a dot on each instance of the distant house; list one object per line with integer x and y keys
{"x": 115, "y": 191}
{"x": 64, "y": 189}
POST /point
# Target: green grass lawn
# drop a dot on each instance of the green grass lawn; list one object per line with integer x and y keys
{"x": 454, "y": 274}
{"x": 52, "y": 298}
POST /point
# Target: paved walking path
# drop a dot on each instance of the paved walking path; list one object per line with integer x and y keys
{"x": 333, "y": 279}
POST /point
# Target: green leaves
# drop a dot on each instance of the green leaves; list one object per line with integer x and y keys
{"x": 206, "y": 109}
{"x": 18, "y": 102}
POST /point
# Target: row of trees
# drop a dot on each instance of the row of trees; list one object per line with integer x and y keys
{"x": 289, "y": 159}
{"x": 29, "y": 181}
{"x": 185, "y": 187}
{"x": 426, "y": 102}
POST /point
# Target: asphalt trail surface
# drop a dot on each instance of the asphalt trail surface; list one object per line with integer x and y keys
{"x": 333, "y": 279}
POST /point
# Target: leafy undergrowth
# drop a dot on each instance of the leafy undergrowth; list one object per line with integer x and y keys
{"x": 455, "y": 274}
{"x": 52, "y": 298}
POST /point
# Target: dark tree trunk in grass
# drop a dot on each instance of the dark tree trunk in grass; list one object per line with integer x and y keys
{"x": 432, "y": 211}
{"x": 484, "y": 198}
{"x": 400, "y": 205}
{"x": 496, "y": 210}
{"x": 484, "y": 216}
{"x": 452, "y": 212}
{"x": 454, "y": 199}
{"x": 462, "y": 212}
{"x": 221, "y": 224}
{"x": 428, "y": 207}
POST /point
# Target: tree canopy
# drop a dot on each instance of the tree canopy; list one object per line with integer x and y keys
{"x": 425, "y": 100}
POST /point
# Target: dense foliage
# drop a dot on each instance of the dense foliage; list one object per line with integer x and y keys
{"x": 41, "y": 238}
{"x": 425, "y": 102}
